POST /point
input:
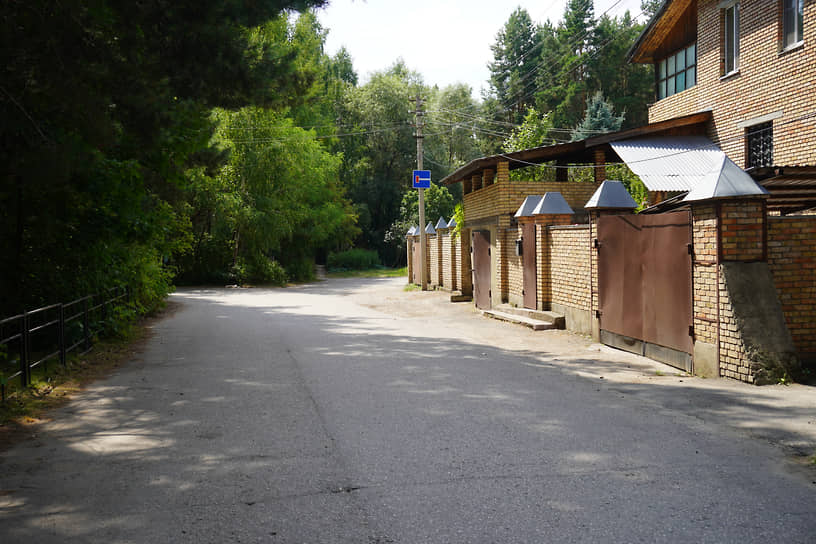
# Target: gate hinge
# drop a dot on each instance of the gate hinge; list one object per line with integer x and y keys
{"x": 691, "y": 330}
{"x": 690, "y": 248}
{"x": 596, "y": 243}
{"x": 598, "y": 313}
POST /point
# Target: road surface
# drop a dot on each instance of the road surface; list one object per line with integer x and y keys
{"x": 351, "y": 411}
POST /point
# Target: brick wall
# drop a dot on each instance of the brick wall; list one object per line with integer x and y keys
{"x": 792, "y": 258}
{"x": 742, "y": 226}
{"x": 570, "y": 265}
{"x": 448, "y": 264}
{"x": 768, "y": 81}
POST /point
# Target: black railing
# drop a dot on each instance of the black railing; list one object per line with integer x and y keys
{"x": 52, "y": 332}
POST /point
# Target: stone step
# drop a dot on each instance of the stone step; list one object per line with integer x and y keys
{"x": 535, "y": 324}
{"x": 552, "y": 317}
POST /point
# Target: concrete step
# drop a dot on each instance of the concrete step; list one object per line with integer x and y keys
{"x": 535, "y": 324}
{"x": 457, "y": 296}
{"x": 542, "y": 315}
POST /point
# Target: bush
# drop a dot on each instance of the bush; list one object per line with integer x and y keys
{"x": 353, "y": 259}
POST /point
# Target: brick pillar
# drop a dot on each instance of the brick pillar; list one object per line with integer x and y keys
{"x": 544, "y": 255}
{"x": 488, "y": 177}
{"x": 600, "y": 165}
{"x": 503, "y": 172}
{"x": 440, "y": 235}
{"x": 467, "y": 186}
{"x": 503, "y": 246}
{"x": 705, "y": 286}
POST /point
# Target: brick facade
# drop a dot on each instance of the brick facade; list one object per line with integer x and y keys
{"x": 792, "y": 258}
{"x": 769, "y": 82}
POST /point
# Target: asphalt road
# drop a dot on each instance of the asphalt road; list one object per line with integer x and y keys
{"x": 344, "y": 412}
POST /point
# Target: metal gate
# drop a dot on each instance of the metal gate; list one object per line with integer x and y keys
{"x": 481, "y": 268}
{"x": 528, "y": 260}
{"x": 644, "y": 285}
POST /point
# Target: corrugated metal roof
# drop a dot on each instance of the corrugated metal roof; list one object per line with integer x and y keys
{"x": 527, "y": 207}
{"x": 724, "y": 180}
{"x": 670, "y": 163}
{"x": 552, "y": 203}
{"x": 611, "y": 195}
{"x": 441, "y": 224}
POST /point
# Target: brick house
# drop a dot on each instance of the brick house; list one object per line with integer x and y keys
{"x": 719, "y": 276}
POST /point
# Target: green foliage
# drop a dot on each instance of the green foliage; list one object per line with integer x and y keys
{"x": 631, "y": 181}
{"x": 353, "y": 259}
{"x": 459, "y": 216}
{"x": 533, "y": 132}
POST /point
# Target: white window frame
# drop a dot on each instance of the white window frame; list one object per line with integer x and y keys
{"x": 668, "y": 72}
{"x": 792, "y": 23}
{"x": 731, "y": 38}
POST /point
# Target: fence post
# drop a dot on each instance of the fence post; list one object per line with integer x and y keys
{"x": 86, "y": 322}
{"x": 24, "y": 370}
{"x": 61, "y": 327}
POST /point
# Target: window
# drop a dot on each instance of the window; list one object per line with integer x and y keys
{"x": 793, "y": 14}
{"x": 677, "y": 73}
{"x": 730, "y": 39}
{"x": 760, "y": 145}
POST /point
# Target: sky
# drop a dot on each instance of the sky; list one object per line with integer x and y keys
{"x": 447, "y": 41}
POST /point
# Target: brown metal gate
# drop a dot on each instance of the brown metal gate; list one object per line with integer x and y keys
{"x": 528, "y": 259}
{"x": 481, "y": 268}
{"x": 644, "y": 285}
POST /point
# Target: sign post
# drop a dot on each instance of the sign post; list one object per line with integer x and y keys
{"x": 422, "y": 181}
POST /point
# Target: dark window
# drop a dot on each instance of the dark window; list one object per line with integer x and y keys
{"x": 677, "y": 72}
{"x": 793, "y": 15}
{"x": 731, "y": 39}
{"x": 760, "y": 145}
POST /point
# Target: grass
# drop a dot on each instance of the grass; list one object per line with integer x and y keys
{"x": 370, "y": 273}
{"x": 412, "y": 287}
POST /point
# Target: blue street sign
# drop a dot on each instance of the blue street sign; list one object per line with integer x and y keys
{"x": 422, "y": 179}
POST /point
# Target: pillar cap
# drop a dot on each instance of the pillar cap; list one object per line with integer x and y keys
{"x": 552, "y": 203}
{"x": 527, "y": 207}
{"x": 441, "y": 224}
{"x": 611, "y": 195}
{"x": 429, "y": 229}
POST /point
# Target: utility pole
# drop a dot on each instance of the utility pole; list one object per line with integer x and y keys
{"x": 419, "y": 124}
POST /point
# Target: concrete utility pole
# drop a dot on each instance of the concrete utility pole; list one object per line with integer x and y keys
{"x": 420, "y": 123}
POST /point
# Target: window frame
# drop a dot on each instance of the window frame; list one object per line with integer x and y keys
{"x": 668, "y": 72}
{"x": 730, "y": 39}
{"x": 792, "y": 23}
{"x": 759, "y": 137}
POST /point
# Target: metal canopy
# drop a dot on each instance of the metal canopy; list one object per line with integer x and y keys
{"x": 792, "y": 188}
{"x": 429, "y": 229}
{"x": 552, "y": 203}
{"x": 611, "y": 195}
{"x": 412, "y": 231}
{"x": 527, "y": 207}
{"x": 670, "y": 163}
{"x": 725, "y": 180}
{"x": 441, "y": 224}
{"x": 451, "y": 223}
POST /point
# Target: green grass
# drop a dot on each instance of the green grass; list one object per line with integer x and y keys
{"x": 370, "y": 273}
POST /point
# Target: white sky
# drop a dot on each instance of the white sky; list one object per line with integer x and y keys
{"x": 447, "y": 41}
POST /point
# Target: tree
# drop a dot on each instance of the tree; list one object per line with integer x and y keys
{"x": 533, "y": 132}
{"x": 599, "y": 118}
{"x": 379, "y": 151}
{"x": 103, "y": 109}
{"x": 438, "y": 203}
{"x": 512, "y": 71}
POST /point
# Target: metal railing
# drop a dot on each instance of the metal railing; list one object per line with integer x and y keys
{"x": 52, "y": 332}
